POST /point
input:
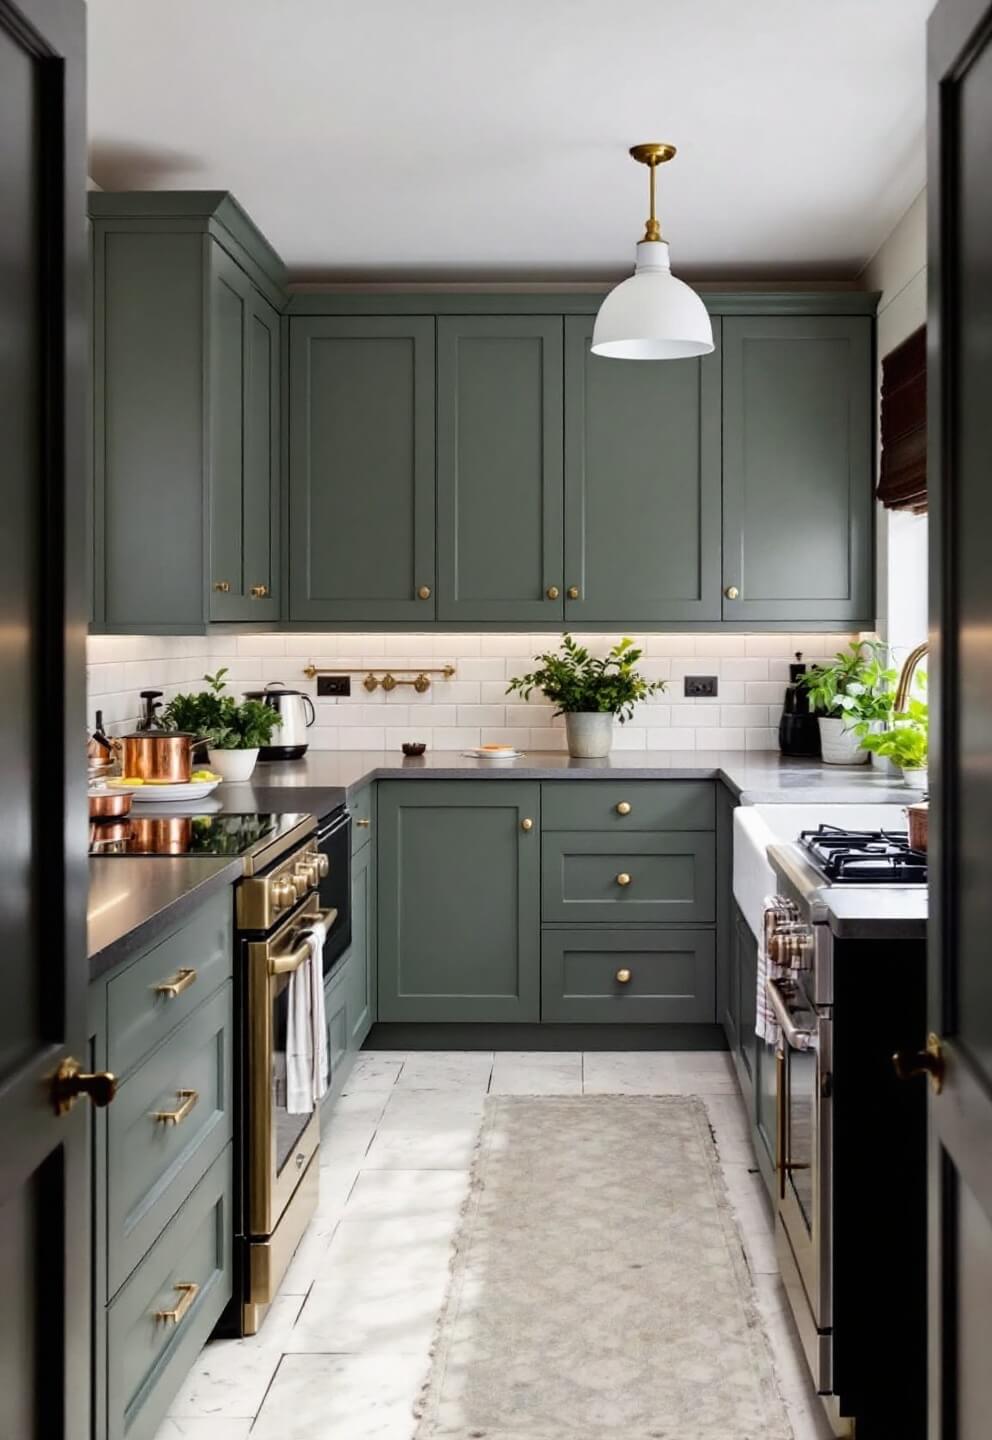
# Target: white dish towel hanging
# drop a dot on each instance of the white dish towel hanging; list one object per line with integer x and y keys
{"x": 306, "y": 1028}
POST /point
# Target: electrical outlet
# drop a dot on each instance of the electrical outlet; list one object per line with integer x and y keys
{"x": 700, "y": 687}
{"x": 338, "y": 685}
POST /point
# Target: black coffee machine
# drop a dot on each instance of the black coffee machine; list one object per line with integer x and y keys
{"x": 798, "y": 731}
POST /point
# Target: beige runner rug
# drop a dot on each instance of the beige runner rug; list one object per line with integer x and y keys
{"x": 599, "y": 1287}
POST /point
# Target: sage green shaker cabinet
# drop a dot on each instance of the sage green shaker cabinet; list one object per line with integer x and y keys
{"x": 642, "y": 486}
{"x": 361, "y": 469}
{"x": 499, "y": 468}
{"x": 798, "y": 412}
{"x": 459, "y": 900}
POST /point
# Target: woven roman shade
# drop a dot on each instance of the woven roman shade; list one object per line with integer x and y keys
{"x": 902, "y": 482}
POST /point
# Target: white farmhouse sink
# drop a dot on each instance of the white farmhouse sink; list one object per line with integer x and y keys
{"x": 758, "y": 826}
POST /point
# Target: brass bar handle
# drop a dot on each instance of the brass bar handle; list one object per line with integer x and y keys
{"x": 222, "y": 586}
{"x": 623, "y": 808}
{"x": 187, "y": 1099}
{"x": 182, "y": 980}
{"x": 259, "y": 592}
{"x": 623, "y": 977}
{"x": 187, "y": 1291}
{"x": 552, "y": 592}
{"x": 797, "y": 1038}
{"x": 286, "y": 963}
{"x": 623, "y": 879}
{"x": 929, "y": 1062}
{"x": 363, "y": 824}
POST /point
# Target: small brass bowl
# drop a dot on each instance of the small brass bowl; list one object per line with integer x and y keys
{"x": 413, "y": 747}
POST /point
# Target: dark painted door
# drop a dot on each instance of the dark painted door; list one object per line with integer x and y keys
{"x": 960, "y": 446}
{"x": 44, "y": 1183}
{"x": 499, "y": 468}
{"x": 797, "y": 468}
{"x": 642, "y": 486}
{"x": 361, "y": 470}
{"x": 459, "y": 900}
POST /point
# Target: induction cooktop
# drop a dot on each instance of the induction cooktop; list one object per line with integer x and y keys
{"x": 208, "y": 836}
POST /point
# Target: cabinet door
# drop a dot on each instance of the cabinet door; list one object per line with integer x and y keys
{"x": 459, "y": 893}
{"x": 797, "y": 465}
{"x": 747, "y": 980}
{"x": 361, "y": 469}
{"x": 362, "y": 998}
{"x": 499, "y": 468}
{"x": 262, "y": 460}
{"x": 642, "y": 486}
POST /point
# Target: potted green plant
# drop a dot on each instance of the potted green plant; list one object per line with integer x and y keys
{"x": 234, "y": 731}
{"x": 906, "y": 742}
{"x": 590, "y": 692}
{"x": 851, "y": 695}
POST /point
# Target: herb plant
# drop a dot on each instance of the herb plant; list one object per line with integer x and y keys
{"x": 906, "y": 742}
{"x": 856, "y": 686}
{"x": 577, "y": 681}
{"x": 221, "y": 720}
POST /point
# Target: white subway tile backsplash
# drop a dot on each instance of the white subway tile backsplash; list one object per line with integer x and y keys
{"x": 745, "y": 670}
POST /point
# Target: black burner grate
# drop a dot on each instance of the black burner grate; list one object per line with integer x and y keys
{"x": 865, "y": 857}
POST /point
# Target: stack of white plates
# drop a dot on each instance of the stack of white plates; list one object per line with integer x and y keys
{"x": 504, "y": 752}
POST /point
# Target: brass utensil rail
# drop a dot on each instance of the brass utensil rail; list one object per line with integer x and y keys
{"x": 388, "y": 680}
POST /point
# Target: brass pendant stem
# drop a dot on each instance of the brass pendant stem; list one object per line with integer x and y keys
{"x": 652, "y": 154}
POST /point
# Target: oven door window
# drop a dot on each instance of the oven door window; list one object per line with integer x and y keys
{"x": 801, "y": 1129}
{"x": 287, "y": 1129}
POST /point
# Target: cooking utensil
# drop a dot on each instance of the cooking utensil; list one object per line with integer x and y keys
{"x": 296, "y": 715}
{"x": 160, "y": 834}
{"x": 919, "y": 823}
{"x": 109, "y": 804}
{"x": 157, "y": 755}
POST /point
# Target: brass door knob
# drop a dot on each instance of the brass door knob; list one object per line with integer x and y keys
{"x": 222, "y": 586}
{"x": 552, "y": 592}
{"x": 929, "y": 1062}
{"x": 259, "y": 592}
{"x": 623, "y": 977}
{"x": 623, "y": 878}
{"x": 526, "y": 824}
{"x": 624, "y": 807}
{"x": 71, "y": 1080}
{"x": 572, "y": 592}
{"x": 732, "y": 592}
{"x": 424, "y": 593}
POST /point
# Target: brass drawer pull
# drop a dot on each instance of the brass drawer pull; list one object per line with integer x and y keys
{"x": 624, "y": 807}
{"x": 623, "y": 977}
{"x": 222, "y": 586}
{"x": 623, "y": 878}
{"x": 187, "y": 1291}
{"x": 181, "y": 981}
{"x": 552, "y": 592}
{"x": 363, "y": 824}
{"x": 259, "y": 592}
{"x": 291, "y": 960}
{"x": 187, "y": 1099}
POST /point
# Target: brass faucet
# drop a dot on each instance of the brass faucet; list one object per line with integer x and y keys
{"x": 906, "y": 677}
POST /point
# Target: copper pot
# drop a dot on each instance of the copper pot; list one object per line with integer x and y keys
{"x": 919, "y": 821}
{"x": 160, "y": 835}
{"x": 157, "y": 755}
{"x": 109, "y": 804}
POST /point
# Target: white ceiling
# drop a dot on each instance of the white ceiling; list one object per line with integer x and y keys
{"x": 486, "y": 139}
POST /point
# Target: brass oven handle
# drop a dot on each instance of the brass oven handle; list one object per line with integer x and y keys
{"x": 188, "y": 1291}
{"x": 187, "y": 1098}
{"x": 181, "y": 981}
{"x": 291, "y": 960}
{"x": 798, "y": 1039}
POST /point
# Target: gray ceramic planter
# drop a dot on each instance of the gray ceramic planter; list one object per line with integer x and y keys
{"x": 590, "y": 734}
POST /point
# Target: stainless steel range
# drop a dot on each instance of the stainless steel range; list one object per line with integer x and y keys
{"x": 846, "y": 994}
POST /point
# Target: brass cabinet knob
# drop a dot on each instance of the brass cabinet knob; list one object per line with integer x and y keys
{"x": 222, "y": 586}
{"x": 624, "y": 807}
{"x": 187, "y": 1290}
{"x": 424, "y": 593}
{"x": 176, "y": 984}
{"x": 71, "y": 1080}
{"x": 552, "y": 592}
{"x": 928, "y": 1062}
{"x": 623, "y": 977}
{"x": 526, "y": 824}
{"x": 259, "y": 592}
{"x": 732, "y": 592}
{"x": 572, "y": 592}
{"x": 187, "y": 1102}
{"x": 623, "y": 878}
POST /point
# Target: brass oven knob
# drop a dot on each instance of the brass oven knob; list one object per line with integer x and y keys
{"x": 623, "y": 977}
{"x": 732, "y": 592}
{"x": 323, "y": 865}
{"x": 624, "y": 807}
{"x": 71, "y": 1080}
{"x": 424, "y": 593}
{"x": 572, "y": 592}
{"x": 283, "y": 892}
{"x": 552, "y": 592}
{"x": 301, "y": 880}
{"x": 623, "y": 878}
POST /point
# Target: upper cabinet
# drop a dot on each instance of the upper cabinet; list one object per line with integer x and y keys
{"x": 798, "y": 413}
{"x": 642, "y": 486}
{"x": 361, "y": 470}
{"x": 499, "y": 468}
{"x": 186, "y": 388}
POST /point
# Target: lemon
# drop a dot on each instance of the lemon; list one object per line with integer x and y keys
{"x": 125, "y": 780}
{"x": 202, "y": 776}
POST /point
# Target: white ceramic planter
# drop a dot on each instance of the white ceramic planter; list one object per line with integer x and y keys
{"x": 916, "y": 779}
{"x": 839, "y": 745}
{"x": 233, "y": 766}
{"x": 590, "y": 734}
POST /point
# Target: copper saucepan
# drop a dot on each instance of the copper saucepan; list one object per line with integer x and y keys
{"x": 109, "y": 804}
{"x": 157, "y": 755}
{"x": 160, "y": 835}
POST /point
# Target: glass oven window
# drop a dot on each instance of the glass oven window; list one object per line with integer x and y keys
{"x": 288, "y": 1128}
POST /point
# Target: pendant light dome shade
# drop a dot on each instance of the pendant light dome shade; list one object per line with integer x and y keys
{"x": 652, "y": 316}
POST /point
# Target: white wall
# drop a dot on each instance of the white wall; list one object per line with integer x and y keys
{"x": 899, "y": 270}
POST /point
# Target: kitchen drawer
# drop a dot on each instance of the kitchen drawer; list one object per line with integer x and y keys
{"x": 654, "y": 805}
{"x": 672, "y": 976}
{"x": 140, "y": 1013}
{"x": 149, "y": 1358}
{"x": 362, "y": 809}
{"x": 153, "y": 1164}
{"x": 670, "y": 878}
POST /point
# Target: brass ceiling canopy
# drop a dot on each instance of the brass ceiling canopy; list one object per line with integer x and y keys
{"x": 653, "y": 153}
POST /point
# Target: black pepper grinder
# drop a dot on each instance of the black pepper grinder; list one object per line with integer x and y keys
{"x": 152, "y": 704}
{"x": 798, "y": 730}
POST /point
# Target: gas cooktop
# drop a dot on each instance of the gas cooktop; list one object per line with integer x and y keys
{"x": 864, "y": 857}
{"x": 189, "y": 835}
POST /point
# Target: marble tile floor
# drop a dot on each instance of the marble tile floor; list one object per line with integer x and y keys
{"x": 345, "y": 1349}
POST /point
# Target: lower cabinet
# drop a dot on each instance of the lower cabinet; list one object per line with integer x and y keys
{"x": 754, "y": 1059}
{"x": 459, "y": 900}
{"x": 650, "y": 977}
{"x": 362, "y": 984}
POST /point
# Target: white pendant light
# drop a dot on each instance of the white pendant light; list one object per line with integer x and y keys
{"x": 652, "y": 316}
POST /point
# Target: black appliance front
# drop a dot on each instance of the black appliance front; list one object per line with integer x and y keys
{"x": 334, "y": 842}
